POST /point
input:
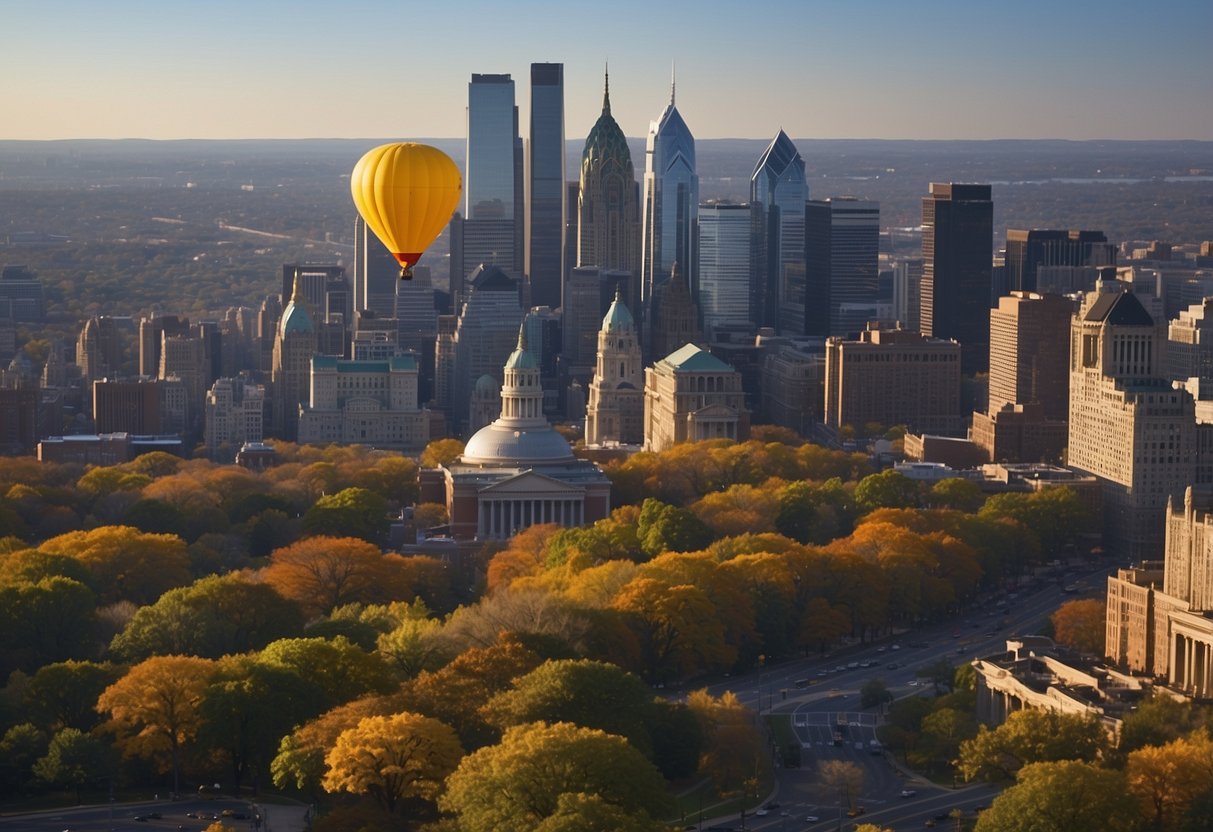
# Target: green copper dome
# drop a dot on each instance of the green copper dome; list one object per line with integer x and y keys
{"x": 606, "y": 141}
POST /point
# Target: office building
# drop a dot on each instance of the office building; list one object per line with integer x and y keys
{"x": 545, "y": 205}
{"x": 486, "y": 332}
{"x": 728, "y": 253}
{"x": 957, "y": 242}
{"x": 235, "y": 414}
{"x": 791, "y": 384}
{"x": 893, "y": 377}
{"x": 493, "y": 218}
{"x": 608, "y": 202}
{"x": 677, "y": 319}
{"x": 907, "y": 288}
{"x": 22, "y": 290}
{"x": 1189, "y": 350}
{"x": 517, "y": 471}
{"x": 364, "y": 403}
{"x": 139, "y": 406}
{"x": 100, "y": 349}
{"x": 615, "y": 412}
{"x": 842, "y": 252}
{"x": 376, "y": 273}
{"x": 587, "y": 295}
{"x": 1029, "y": 342}
{"x": 152, "y": 330}
{"x": 1128, "y": 425}
{"x": 779, "y": 190}
{"x": 1027, "y": 251}
{"x": 671, "y": 197}
{"x": 691, "y": 395}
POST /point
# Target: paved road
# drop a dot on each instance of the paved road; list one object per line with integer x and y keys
{"x": 121, "y": 817}
{"x": 829, "y": 691}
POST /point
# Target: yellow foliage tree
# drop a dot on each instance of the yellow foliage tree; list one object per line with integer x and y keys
{"x": 393, "y": 758}
{"x": 1081, "y": 625}
{"x": 153, "y": 709}
{"x": 125, "y": 563}
{"x": 1168, "y": 778}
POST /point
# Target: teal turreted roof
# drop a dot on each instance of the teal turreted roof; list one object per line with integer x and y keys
{"x": 296, "y": 319}
{"x": 692, "y": 358}
{"x": 520, "y": 359}
{"x": 618, "y": 316}
{"x": 606, "y": 139}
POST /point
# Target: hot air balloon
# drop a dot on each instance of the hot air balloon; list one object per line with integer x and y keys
{"x": 406, "y": 192}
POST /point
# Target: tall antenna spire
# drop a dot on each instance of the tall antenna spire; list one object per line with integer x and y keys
{"x": 606, "y": 89}
{"x": 673, "y": 84}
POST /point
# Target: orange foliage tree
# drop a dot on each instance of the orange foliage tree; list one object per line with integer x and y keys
{"x": 126, "y": 564}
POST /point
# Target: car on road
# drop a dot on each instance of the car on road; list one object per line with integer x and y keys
{"x": 761, "y": 813}
{"x": 855, "y": 811}
{"x": 908, "y": 793}
{"x": 811, "y": 819}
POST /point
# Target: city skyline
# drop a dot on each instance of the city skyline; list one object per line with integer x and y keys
{"x": 133, "y": 69}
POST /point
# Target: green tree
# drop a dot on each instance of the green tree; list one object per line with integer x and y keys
{"x": 351, "y": 512}
{"x": 1056, "y": 515}
{"x": 516, "y": 785}
{"x": 50, "y": 620}
{"x": 74, "y": 760}
{"x": 1157, "y": 721}
{"x": 874, "y": 693}
{"x": 1069, "y": 794}
{"x": 1031, "y": 736}
{"x": 393, "y": 758}
{"x": 666, "y": 528}
{"x": 339, "y": 669}
{"x": 63, "y": 694}
{"x": 888, "y": 489}
{"x": 247, "y": 708}
{"x": 20, "y": 747}
{"x": 211, "y": 617}
{"x": 956, "y": 493}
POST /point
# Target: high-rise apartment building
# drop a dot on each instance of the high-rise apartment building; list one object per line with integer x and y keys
{"x": 493, "y": 217}
{"x": 728, "y": 253}
{"x": 907, "y": 288}
{"x": 842, "y": 253}
{"x": 608, "y": 202}
{"x": 545, "y": 206}
{"x": 957, "y": 242}
{"x": 1028, "y": 250}
{"x": 1189, "y": 348}
{"x": 376, "y": 272}
{"x": 364, "y": 403}
{"x": 152, "y": 329}
{"x": 671, "y": 197}
{"x": 779, "y": 189}
{"x": 1128, "y": 425}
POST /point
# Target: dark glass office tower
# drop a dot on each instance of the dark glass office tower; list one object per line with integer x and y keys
{"x": 841, "y": 264}
{"x": 545, "y": 204}
{"x": 778, "y": 188}
{"x": 957, "y": 260}
{"x": 493, "y": 219}
{"x": 1028, "y": 250}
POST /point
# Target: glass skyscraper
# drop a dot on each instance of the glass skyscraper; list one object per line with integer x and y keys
{"x": 545, "y": 197}
{"x": 727, "y": 249}
{"x": 671, "y": 200}
{"x": 957, "y": 265}
{"x": 843, "y": 252}
{"x": 493, "y": 218}
{"x": 779, "y": 189}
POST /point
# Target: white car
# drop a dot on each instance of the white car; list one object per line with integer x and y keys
{"x": 812, "y": 819}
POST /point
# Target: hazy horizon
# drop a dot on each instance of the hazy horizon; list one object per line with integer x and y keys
{"x": 938, "y": 70}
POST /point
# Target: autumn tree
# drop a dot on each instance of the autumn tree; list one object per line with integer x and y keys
{"x": 678, "y": 628}
{"x": 413, "y": 646}
{"x": 322, "y": 573}
{"x": 1168, "y": 779}
{"x": 441, "y": 452}
{"x": 1080, "y": 625}
{"x": 125, "y": 563}
{"x": 577, "y": 812}
{"x": 1057, "y": 516}
{"x": 153, "y": 709}
{"x": 733, "y": 750}
{"x": 516, "y": 785}
{"x": 211, "y": 617}
{"x": 337, "y": 668}
{"x": 393, "y": 758}
{"x": 1031, "y": 736}
{"x": 843, "y": 778}
{"x": 1157, "y": 721}
{"x": 1069, "y": 794}
{"x": 299, "y": 762}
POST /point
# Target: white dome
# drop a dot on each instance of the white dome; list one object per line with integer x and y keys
{"x": 500, "y": 443}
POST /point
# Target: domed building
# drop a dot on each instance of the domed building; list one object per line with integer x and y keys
{"x": 616, "y": 410}
{"x": 518, "y": 472}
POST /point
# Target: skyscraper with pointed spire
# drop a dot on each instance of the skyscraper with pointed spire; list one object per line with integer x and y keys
{"x": 779, "y": 188}
{"x": 671, "y": 200}
{"x": 608, "y": 201}
{"x": 294, "y": 346}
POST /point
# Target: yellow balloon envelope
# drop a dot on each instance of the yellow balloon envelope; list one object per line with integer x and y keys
{"x": 406, "y": 192}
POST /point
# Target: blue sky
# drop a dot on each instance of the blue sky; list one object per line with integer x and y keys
{"x": 931, "y": 69}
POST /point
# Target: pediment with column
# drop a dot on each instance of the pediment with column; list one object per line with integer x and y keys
{"x": 531, "y": 485}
